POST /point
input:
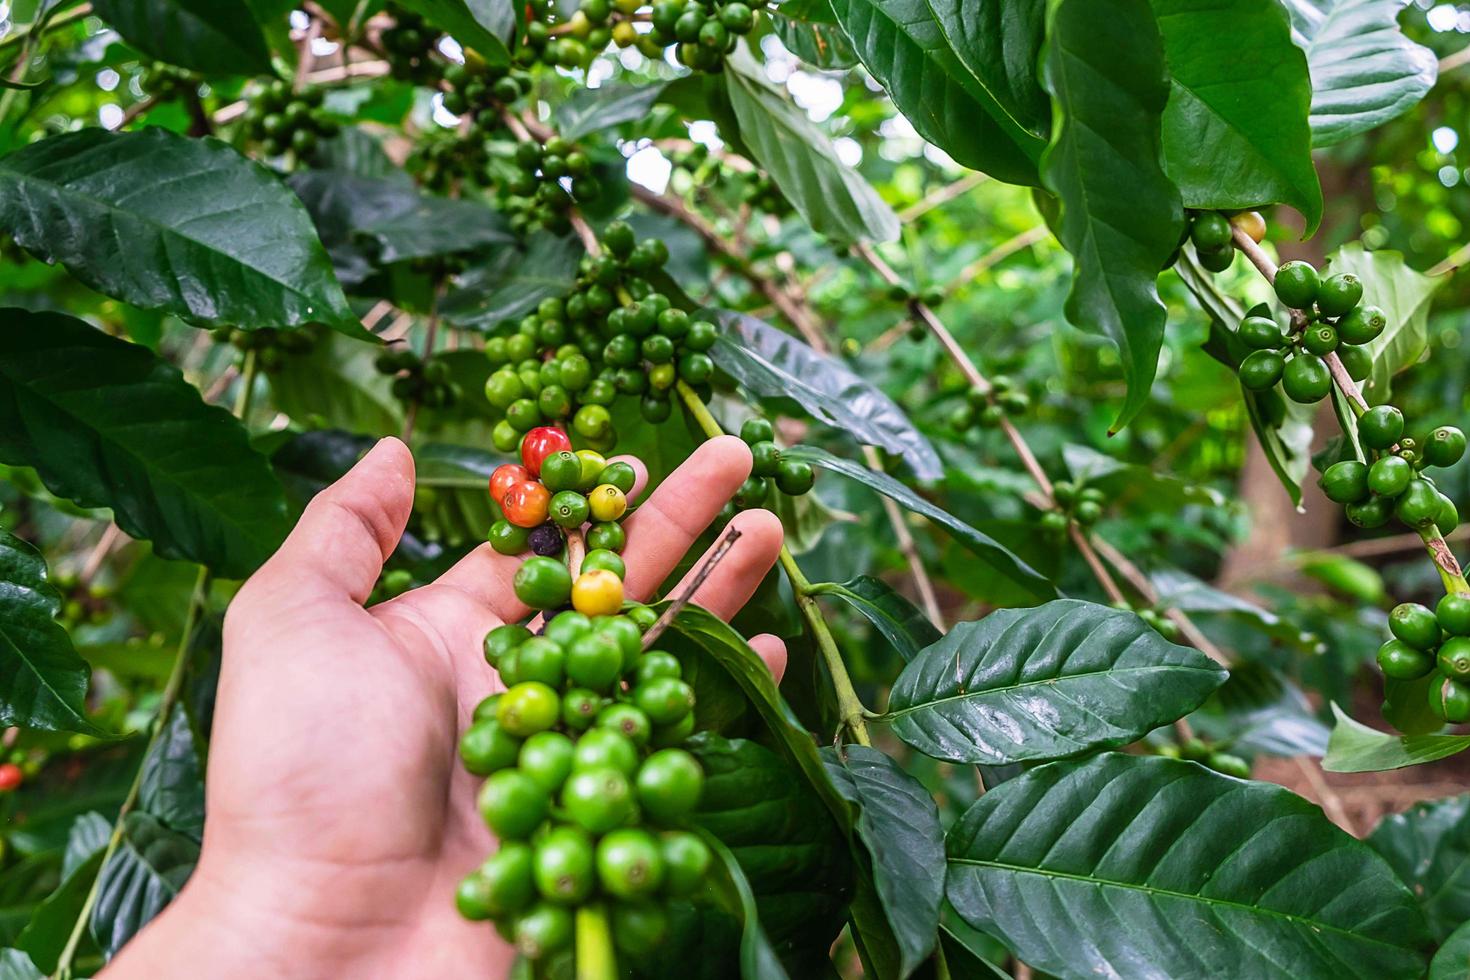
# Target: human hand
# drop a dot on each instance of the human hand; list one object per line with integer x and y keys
{"x": 340, "y": 820}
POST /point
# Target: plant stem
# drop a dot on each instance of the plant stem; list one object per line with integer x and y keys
{"x": 245, "y": 398}
{"x": 166, "y": 704}
{"x": 594, "y": 948}
{"x": 849, "y": 704}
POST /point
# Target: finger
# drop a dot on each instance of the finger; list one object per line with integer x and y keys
{"x": 735, "y": 579}
{"x": 348, "y": 530}
{"x": 773, "y": 651}
{"x": 484, "y": 577}
{"x": 661, "y": 530}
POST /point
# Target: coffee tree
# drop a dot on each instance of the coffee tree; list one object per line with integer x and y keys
{"x": 541, "y": 243}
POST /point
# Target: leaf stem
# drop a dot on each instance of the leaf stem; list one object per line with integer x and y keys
{"x": 594, "y": 948}
{"x": 166, "y": 704}
{"x": 245, "y": 397}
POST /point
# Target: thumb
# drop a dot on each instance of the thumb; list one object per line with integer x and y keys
{"x": 348, "y": 530}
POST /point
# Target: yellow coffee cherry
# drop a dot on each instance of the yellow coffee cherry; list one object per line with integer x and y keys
{"x": 597, "y": 593}
{"x": 608, "y": 503}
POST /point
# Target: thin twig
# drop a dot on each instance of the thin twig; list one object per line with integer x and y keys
{"x": 1331, "y": 803}
{"x": 1000, "y": 253}
{"x": 1452, "y": 61}
{"x": 907, "y": 547}
{"x": 135, "y": 110}
{"x": 1452, "y": 261}
{"x": 307, "y": 58}
{"x": 942, "y": 195}
{"x": 683, "y": 598}
{"x": 110, "y": 537}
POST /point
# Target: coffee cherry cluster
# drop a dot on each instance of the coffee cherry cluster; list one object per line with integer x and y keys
{"x": 554, "y": 490}
{"x": 988, "y": 409}
{"x": 547, "y": 180}
{"x": 169, "y": 83}
{"x": 1393, "y": 484}
{"x": 272, "y": 347}
{"x": 1196, "y": 749}
{"x": 409, "y": 45}
{"x": 575, "y": 41}
{"x": 1081, "y": 504}
{"x": 1434, "y": 643}
{"x": 612, "y": 335}
{"x": 705, "y": 31}
{"x": 280, "y": 121}
{"x": 769, "y": 471}
{"x": 757, "y": 189}
{"x": 1210, "y": 231}
{"x": 426, "y": 382}
{"x": 1333, "y": 321}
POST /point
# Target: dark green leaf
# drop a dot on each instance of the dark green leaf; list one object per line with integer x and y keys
{"x": 995, "y": 555}
{"x": 164, "y": 222}
{"x": 1364, "y": 71}
{"x": 1133, "y": 866}
{"x": 1125, "y": 483}
{"x": 1354, "y": 747}
{"x": 1235, "y": 129}
{"x": 172, "y": 782}
{"x": 355, "y": 151}
{"x": 335, "y": 385}
{"x": 1043, "y": 683}
{"x": 512, "y": 282}
{"x": 216, "y": 37}
{"x": 88, "y": 835}
{"x": 108, "y": 424}
{"x": 899, "y": 620}
{"x": 485, "y": 25}
{"x": 1429, "y": 847}
{"x": 999, "y": 42}
{"x": 144, "y": 874}
{"x": 774, "y": 364}
{"x": 821, "y": 43}
{"x": 1260, "y": 711}
{"x": 898, "y": 823}
{"x": 1121, "y": 217}
{"x": 834, "y": 199}
{"x": 758, "y": 960}
{"x": 591, "y": 110}
{"x": 460, "y": 510}
{"x": 902, "y": 44}
{"x": 1452, "y": 960}
{"x": 1404, "y": 295}
{"x": 43, "y": 682}
{"x": 46, "y": 935}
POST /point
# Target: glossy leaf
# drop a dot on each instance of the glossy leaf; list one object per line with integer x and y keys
{"x": 1404, "y": 295}
{"x": 511, "y": 283}
{"x": 43, "y": 682}
{"x": 902, "y": 623}
{"x": 1354, "y": 747}
{"x": 16, "y": 965}
{"x": 216, "y": 37}
{"x": 999, "y": 41}
{"x": 485, "y": 25}
{"x": 1452, "y": 960}
{"x": 107, "y": 423}
{"x": 1134, "y": 866}
{"x": 903, "y": 45}
{"x": 168, "y": 223}
{"x": 591, "y": 110}
{"x": 1259, "y": 711}
{"x": 1235, "y": 129}
{"x": 996, "y": 556}
{"x": 335, "y": 385}
{"x": 834, "y": 198}
{"x": 819, "y": 42}
{"x": 898, "y": 824}
{"x": 172, "y": 781}
{"x": 774, "y": 364}
{"x": 1429, "y": 847}
{"x": 144, "y": 874}
{"x": 1364, "y": 71}
{"x": 46, "y": 935}
{"x": 758, "y": 960}
{"x": 1121, "y": 217}
{"x": 1028, "y": 684}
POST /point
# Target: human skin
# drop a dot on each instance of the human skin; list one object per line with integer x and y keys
{"x": 339, "y": 818}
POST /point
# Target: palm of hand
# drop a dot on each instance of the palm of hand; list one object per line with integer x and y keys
{"x": 335, "y": 798}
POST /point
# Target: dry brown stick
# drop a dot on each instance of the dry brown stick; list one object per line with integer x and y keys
{"x": 135, "y": 110}
{"x": 1145, "y": 588}
{"x": 682, "y": 599}
{"x": 1331, "y": 803}
{"x": 908, "y": 548}
{"x": 307, "y": 58}
{"x": 110, "y": 537}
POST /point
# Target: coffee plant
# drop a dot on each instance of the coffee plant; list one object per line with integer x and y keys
{"x": 995, "y": 303}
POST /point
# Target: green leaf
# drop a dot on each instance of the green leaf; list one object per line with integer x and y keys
{"x": 46, "y": 935}
{"x": 591, "y": 110}
{"x": 1133, "y": 866}
{"x": 758, "y": 960}
{"x": 774, "y": 364}
{"x": 995, "y": 555}
{"x": 900, "y": 621}
{"x": 16, "y": 965}
{"x": 144, "y": 874}
{"x": 485, "y": 25}
{"x": 1354, "y": 747}
{"x": 1133, "y": 483}
{"x": 107, "y": 423}
{"x": 168, "y": 223}
{"x": 898, "y": 824}
{"x": 903, "y": 45}
{"x": 834, "y": 198}
{"x": 43, "y": 682}
{"x": 1027, "y": 684}
{"x": 1364, "y": 71}
{"x": 512, "y": 283}
{"x": 1235, "y": 128}
{"x": 459, "y": 508}
{"x": 172, "y": 781}
{"x": 1404, "y": 296}
{"x": 335, "y": 385}
{"x": 216, "y": 37}
{"x": 1121, "y": 217}
{"x": 1429, "y": 847}
{"x": 1260, "y": 711}
{"x": 819, "y": 42}
{"x": 1452, "y": 960}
